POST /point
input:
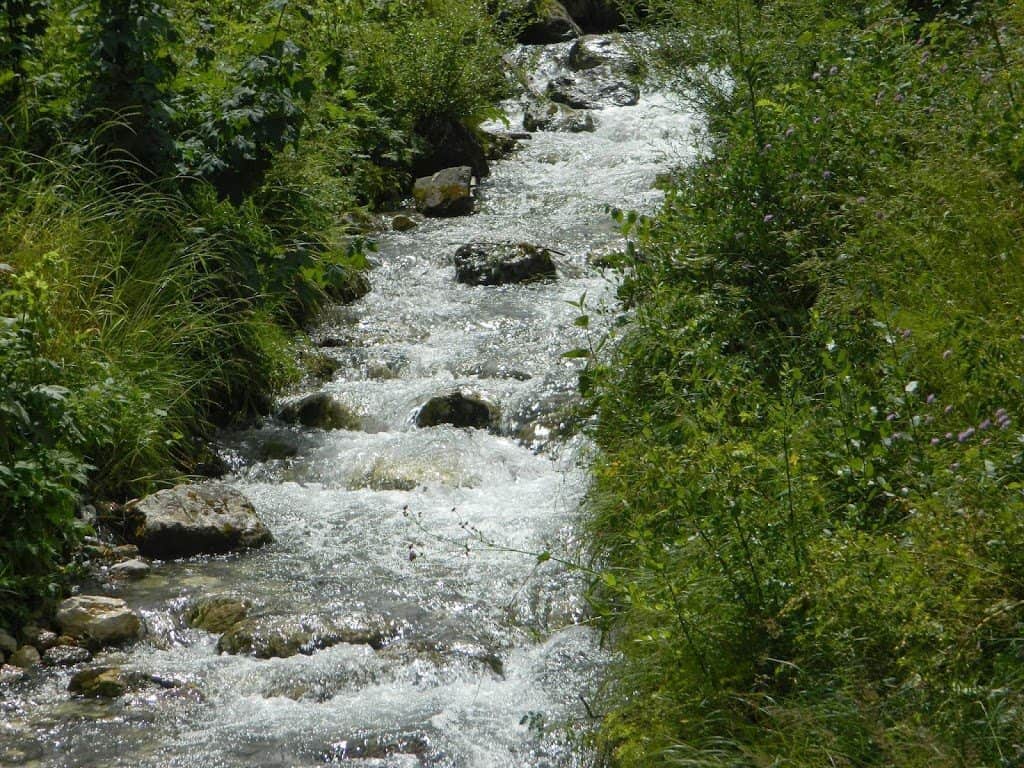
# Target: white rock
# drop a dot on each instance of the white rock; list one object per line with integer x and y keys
{"x": 100, "y": 619}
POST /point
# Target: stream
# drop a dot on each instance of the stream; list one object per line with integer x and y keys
{"x": 489, "y": 662}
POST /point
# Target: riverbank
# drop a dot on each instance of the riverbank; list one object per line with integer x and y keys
{"x": 183, "y": 188}
{"x": 808, "y": 505}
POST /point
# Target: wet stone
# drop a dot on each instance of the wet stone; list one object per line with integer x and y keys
{"x": 131, "y": 569}
{"x": 39, "y": 637}
{"x": 217, "y": 614}
{"x": 592, "y": 51}
{"x": 446, "y": 193}
{"x": 8, "y": 644}
{"x": 403, "y": 223}
{"x": 457, "y": 409}
{"x": 25, "y": 657}
{"x": 319, "y": 411}
{"x": 282, "y": 637}
{"x": 11, "y": 674}
{"x": 197, "y": 519}
{"x": 593, "y": 89}
{"x": 20, "y": 751}
{"x": 502, "y": 263}
{"x": 550, "y": 116}
{"x": 66, "y": 656}
{"x": 100, "y": 683}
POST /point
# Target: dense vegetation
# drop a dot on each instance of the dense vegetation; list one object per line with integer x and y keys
{"x": 809, "y": 501}
{"x": 175, "y": 180}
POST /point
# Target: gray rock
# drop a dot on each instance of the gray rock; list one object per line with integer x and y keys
{"x": 66, "y": 656}
{"x": 552, "y": 24}
{"x": 217, "y": 614}
{"x": 319, "y": 411}
{"x": 11, "y": 674}
{"x": 502, "y": 263}
{"x": 549, "y": 116}
{"x": 25, "y": 657}
{"x": 593, "y": 89}
{"x": 592, "y": 51}
{"x": 126, "y": 551}
{"x": 446, "y": 193}
{"x": 403, "y": 223}
{"x": 131, "y": 569}
{"x": 98, "y": 619}
{"x": 457, "y": 409}
{"x": 281, "y": 637}
{"x": 195, "y": 519}
{"x": 449, "y": 143}
{"x": 39, "y": 637}
{"x": 8, "y": 644}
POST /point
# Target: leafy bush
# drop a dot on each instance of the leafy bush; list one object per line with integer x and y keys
{"x": 825, "y": 352}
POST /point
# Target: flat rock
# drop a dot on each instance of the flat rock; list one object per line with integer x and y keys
{"x": 282, "y": 637}
{"x": 195, "y": 519}
{"x": 502, "y": 263}
{"x": 39, "y": 637}
{"x": 594, "y": 89}
{"x": 550, "y": 116}
{"x": 457, "y": 409}
{"x": 446, "y": 193}
{"x": 98, "y": 619}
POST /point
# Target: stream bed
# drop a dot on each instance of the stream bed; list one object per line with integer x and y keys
{"x": 433, "y": 531}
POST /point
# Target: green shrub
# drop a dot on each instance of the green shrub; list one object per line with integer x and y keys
{"x": 825, "y": 354}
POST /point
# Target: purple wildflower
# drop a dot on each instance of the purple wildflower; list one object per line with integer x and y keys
{"x": 985, "y": 425}
{"x": 861, "y": 200}
{"x": 826, "y": 175}
{"x": 949, "y": 435}
{"x": 930, "y": 399}
{"x": 966, "y": 435}
{"x": 935, "y": 441}
{"x": 768, "y": 218}
{"x": 891, "y": 417}
{"x": 906, "y": 333}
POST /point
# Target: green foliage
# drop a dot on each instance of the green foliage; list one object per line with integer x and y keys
{"x": 142, "y": 307}
{"x": 826, "y": 354}
{"x": 129, "y": 69}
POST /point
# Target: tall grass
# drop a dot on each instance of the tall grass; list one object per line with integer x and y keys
{"x": 809, "y": 505}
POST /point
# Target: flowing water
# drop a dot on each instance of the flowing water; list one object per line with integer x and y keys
{"x": 434, "y": 530}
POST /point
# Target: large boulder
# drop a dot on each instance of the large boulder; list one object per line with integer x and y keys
{"x": 594, "y": 16}
{"x": 502, "y": 263}
{"x": 551, "y": 23}
{"x": 593, "y": 51}
{"x": 549, "y": 116}
{"x": 318, "y": 411}
{"x": 281, "y": 637}
{"x": 98, "y": 619}
{"x": 195, "y": 519}
{"x": 594, "y": 89}
{"x": 446, "y": 193}
{"x": 457, "y": 409}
